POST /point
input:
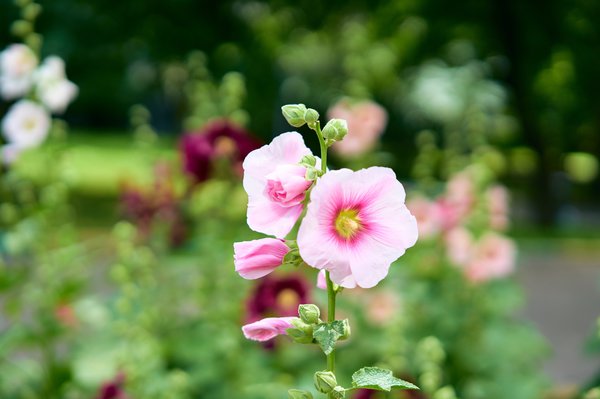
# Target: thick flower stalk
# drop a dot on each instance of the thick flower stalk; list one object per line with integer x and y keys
{"x": 352, "y": 227}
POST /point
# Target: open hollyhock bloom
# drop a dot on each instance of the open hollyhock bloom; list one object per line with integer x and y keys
{"x": 17, "y": 64}
{"x": 26, "y": 124}
{"x": 276, "y": 184}
{"x": 52, "y": 86}
{"x": 356, "y": 225}
{"x": 257, "y": 258}
{"x": 265, "y": 329}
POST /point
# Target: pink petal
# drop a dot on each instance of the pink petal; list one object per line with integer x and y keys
{"x": 265, "y": 329}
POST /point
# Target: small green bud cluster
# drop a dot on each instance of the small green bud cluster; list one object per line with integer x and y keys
{"x": 302, "y": 330}
{"x": 335, "y": 130}
{"x": 325, "y": 382}
{"x": 312, "y": 171}
{"x": 298, "y": 115}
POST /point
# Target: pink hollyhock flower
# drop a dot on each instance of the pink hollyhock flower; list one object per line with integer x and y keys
{"x": 497, "y": 199}
{"x": 257, "y": 258}
{"x": 265, "y": 329}
{"x": 366, "y": 122}
{"x": 275, "y": 184}
{"x": 428, "y": 215}
{"x": 216, "y": 140}
{"x": 493, "y": 257}
{"x": 356, "y": 225}
{"x": 459, "y": 245}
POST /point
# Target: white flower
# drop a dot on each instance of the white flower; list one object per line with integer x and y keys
{"x": 9, "y": 153}
{"x": 17, "y": 64}
{"x": 53, "y": 88}
{"x": 26, "y": 124}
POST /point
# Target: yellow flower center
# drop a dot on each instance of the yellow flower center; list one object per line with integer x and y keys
{"x": 347, "y": 223}
{"x": 288, "y": 299}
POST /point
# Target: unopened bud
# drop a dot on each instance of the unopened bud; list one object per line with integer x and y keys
{"x": 335, "y": 130}
{"x": 309, "y": 313}
{"x": 325, "y": 381}
{"x": 294, "y": 114}
{"x": 311, "y": 117}
{"x": 338, "y": 392}
{"x": 308, "y": 160}
{"x": 346, "y": 331}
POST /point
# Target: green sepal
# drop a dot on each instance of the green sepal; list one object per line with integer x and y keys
{"x": 378, "y": 379}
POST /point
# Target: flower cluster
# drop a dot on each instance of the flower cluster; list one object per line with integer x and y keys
{"x": 490, "y": 256}
{"x": 41, "y": 90}
{"x": 351, "y": 225}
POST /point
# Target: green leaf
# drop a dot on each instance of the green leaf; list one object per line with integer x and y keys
{"x": 299, "y": 394}
{"x": 378, "y": 379}
{"x": 327, "y": 334}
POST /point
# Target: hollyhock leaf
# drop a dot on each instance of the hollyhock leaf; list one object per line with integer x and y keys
{"x": 378, "y": 379}
{"x": 327, "y": 334}
{"x": 299, "y": 394}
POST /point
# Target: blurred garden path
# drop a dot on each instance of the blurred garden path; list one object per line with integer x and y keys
{"x": 561, "y": 279}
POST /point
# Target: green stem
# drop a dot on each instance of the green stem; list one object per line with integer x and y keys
{"x": 330, "y": 290}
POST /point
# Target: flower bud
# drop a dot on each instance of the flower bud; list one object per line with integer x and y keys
{"x": 309, "y": 313}
{"x": 294, "y": 114}
{"x": 335, "y": 130}
{"x": 346, "y": 332}
{"x": 308, "y": 161}
{"x": 299, "y": 394}
{"x": 338, "y": 392}
{"x": 300, "y": 332}
{"x": 312, "y": 173}
{"x": 311, "y": 117}
{"x": 325, "y": 381}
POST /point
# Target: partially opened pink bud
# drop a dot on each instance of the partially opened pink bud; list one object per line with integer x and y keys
{"x": 257, "y": 258}
{"x": 497, "y": 199}
{"x": 265, "y": 329}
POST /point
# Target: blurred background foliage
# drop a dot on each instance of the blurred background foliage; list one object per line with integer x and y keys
{"x": 116, "y": 246}
{"x": 543, "y": 56}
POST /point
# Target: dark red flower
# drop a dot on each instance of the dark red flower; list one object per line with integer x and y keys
{"x": 146, "y": 206}
{"x": 218, "y": 139}
{"x": 113, "y": 389}
{"x": 278, "y": 296}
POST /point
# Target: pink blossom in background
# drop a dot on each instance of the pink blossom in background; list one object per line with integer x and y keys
{"x": 382, "y": 306}
{"x": 257, "y": 258}
{"x": 459, "y": 245}
{"x": 493, "y": 257}
{"x": 458, "y": 200}
{"x": 497, "y": 198}
{"x": 322, "y": 280}
{"x": 356, "y": 225}
{"x": 428, "y": 215}
{"x": 265, "y": 329}
{"x": 276, "y": 185}
{"x": 366, "y": 122}
{"x": 215, "y": 140}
